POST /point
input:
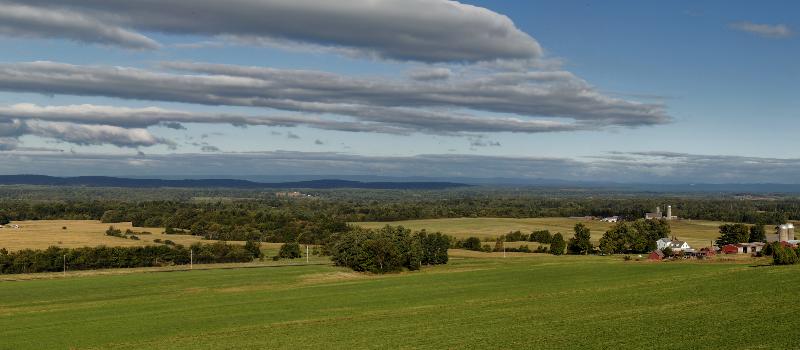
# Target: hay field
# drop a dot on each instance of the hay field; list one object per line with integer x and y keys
{"x": 528, "y": 302}
{"x": 80, "y": 233}
{"x": 697, "y": 233}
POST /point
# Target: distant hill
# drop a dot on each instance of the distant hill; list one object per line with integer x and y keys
{"x": 105, "y": 181}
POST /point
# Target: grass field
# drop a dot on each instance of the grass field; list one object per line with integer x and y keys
{"x": 697, "y": 233}
{"x": 535, "y": 301}
{"x": 89, "y": 233}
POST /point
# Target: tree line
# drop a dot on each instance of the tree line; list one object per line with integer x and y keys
{"x": 54, "y": 259}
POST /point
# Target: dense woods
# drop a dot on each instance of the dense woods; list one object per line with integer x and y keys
{"x": 389, "y": 249}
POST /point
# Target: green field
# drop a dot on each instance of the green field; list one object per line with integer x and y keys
{"x": 535, "y": 301}
{"x": 697, "y": 233}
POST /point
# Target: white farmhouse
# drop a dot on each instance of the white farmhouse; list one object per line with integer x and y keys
{"x": 611, "y": 219}
{"x": 675, "y": 245}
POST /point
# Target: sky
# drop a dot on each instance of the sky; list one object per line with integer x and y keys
{"x": 624, "y": 91}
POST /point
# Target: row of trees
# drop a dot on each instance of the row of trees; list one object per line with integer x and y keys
{"x": 389, "y": 249}
{"x": 54, "y": 259}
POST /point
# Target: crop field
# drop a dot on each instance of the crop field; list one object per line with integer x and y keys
{"x": 696, "y": 232}
{"x": 520, "y": 302}
{"x": 84, "y": 233}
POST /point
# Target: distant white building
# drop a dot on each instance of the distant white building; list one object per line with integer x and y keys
{"x": 610, "y": 219}
{"x": 675, "y": 245}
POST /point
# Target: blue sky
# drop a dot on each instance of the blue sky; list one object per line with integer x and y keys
{"x": 691, "y": 91}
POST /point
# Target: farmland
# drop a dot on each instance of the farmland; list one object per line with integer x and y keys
{"x": 529, "y": 301}
{"x": 697, "y": 233}
{"x": 89, "y": 233}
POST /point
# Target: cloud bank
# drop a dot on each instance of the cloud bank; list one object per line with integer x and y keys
{"x": 526, "y": 102}
{"x": 631, "y": 167}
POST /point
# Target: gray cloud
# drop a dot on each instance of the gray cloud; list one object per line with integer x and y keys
{"x": 775, "y": 31}
{"x": 318, "y": 142}
{"x": 291, "y": 135}
{"x": 397, "y": 106}
{"x": 641, "y": 167}
{"x": 430, "y": 74}
{"x": 209, "y": 148}
{"x": 417, "y": 30}
{"x": 27, "y": 21}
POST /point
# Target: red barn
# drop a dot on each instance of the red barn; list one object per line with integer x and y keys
{"x": 656, "y": 255}
{"x": 730, "y": 249}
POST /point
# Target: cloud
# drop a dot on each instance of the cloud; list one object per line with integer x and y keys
{"x": 209, "y": 148}
{"x": 630, "y": 167}
{"x": 521, "y": 99}
{"x": 430, "y": 74}
{"x": 318, "y": 142}
{"x": 80, "y": 134}
{"x": 40, "y": 22}
{"x": 415, "y": 30}
{"x": 775, "y": 31}
{"x": 291, "y": 135}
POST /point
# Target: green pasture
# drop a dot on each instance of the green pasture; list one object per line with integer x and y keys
{"x": 529, "y": 301}
{"x": 697, "y": 233}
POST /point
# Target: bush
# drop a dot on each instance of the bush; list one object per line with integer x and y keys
{"x": 784, "y": 256}
{"x": 472, "y": 243}
{"x": 63, "y": 227}
{"x": 133, "y": 237}
{"x": 254, "y": 248}
{"x": 289, "y": 251}
{"x": 542, "y": 236}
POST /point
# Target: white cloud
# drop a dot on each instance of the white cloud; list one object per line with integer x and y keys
{"x": 776, "y": 31}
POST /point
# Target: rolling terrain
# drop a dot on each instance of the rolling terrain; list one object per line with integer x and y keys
{"x": 535, "y": 301}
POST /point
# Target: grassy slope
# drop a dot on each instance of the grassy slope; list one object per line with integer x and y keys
{"x": 527, "y": 302}
{"x": 698, "y": 233}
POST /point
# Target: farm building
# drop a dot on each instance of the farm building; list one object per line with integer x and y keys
{"x": 783, "y": 233}
{"x": 750, "y": 248}
{"x": 611, "y": 219}
{"x": 730, "y": 249}
{"x": 706, "y": 252}
{"x": 656, "y": 255}
{"x": 675, "y": 245}
{"x": 658, "y": 214}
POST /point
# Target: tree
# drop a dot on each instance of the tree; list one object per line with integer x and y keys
{"x": 758, "y": 233}
{"x": 4, "y": 219}
{"x": 783, "y": 255}
{"x": 732, "y": 234}
{"x": 557, "y": 244}
{"x": 542, "y": 236}
{"x": 254, "y": 248}
{"x": 472, "y": 243}
{"x": 667, "y": 251}
{"x": 289, "y": 250}
{"x": 581, "y": 243}
{"x": 615, "y": 240}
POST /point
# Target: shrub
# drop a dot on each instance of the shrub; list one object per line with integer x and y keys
{"x": 63, "y": 227}
{"x": 134, "y": 237}
{"x": 784, "y": 256}
{"x": 289, "y": 251}
{"x": 254, "y": 248}
{"x": 157, "y": 240}
{"x": 472, "y": 243}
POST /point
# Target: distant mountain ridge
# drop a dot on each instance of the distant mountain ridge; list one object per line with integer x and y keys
{"x": 107, "y": 181}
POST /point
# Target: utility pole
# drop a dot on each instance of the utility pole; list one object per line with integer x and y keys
{"x": 306, "y": 253}
{"x": 504, "y": 249}
{"x": 65, "y": 265}
{"x": 191, "y": 259}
